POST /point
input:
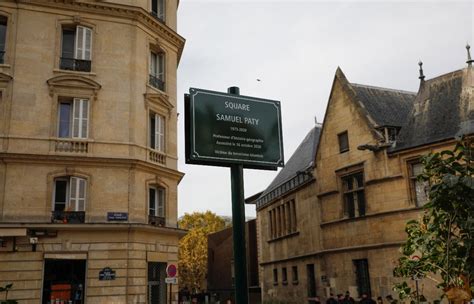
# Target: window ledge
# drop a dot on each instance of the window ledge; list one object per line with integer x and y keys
{"x": 156, "y": 89}
{"x": 59, "y": 71}
{"x": 284, "y": 236}
{"x": 5, "y": 66}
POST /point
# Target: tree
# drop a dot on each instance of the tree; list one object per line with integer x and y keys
{"x": 193, "y": 247}
{"x": 441, "y": 243}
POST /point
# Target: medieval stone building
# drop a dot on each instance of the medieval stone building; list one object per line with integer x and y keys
{"x": 334, "y": 222}
{"x": 88, "y": 149}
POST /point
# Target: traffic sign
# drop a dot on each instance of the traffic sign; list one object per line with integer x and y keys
{"x": 171, "y": 280}
{"x": 171, "y": 270}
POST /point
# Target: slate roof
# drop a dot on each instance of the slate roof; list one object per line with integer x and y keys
{"x": 301, "y": 160}
{"x": 387, "y": 107}
{"x": 441, "y": 111}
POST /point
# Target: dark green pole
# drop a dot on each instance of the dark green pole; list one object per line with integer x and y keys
{"x": 238, "y": 227}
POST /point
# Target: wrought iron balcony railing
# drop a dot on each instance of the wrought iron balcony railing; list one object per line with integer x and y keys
{"x": 72, "y": 64}
{"x": 156, "y": 82}
{"x": 156, "y": 220}
{"x": 2, "y": 57}
{"x": 68, "y": 217}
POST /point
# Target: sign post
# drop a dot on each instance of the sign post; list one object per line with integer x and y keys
{"x": 171, "y": 279}
{"x": 235, "y": 131}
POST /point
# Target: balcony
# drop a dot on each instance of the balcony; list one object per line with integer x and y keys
{"x": 156, "y": 82}
{"x": 157, "y": 157}
{"x": 2, "y": 57}
{"x": 156, "y": 221}
{"x": 72, "y": 64}
{"x": 71, "y": 145}
{"x": 68, "y": 217}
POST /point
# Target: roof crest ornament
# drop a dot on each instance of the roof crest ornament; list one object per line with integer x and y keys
{"x": 469, "y": 60}
{"x": 422, "y": 77}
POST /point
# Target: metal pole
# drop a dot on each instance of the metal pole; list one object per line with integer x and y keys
{"x": 171, "y": 290}
{"x": 417, "y": 295}
{"x": 238, "y": 228}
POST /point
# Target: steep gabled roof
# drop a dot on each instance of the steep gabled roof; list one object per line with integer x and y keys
{"x": 441, "y": 110}
{"x": 299, "y": 163}
{"x": 386, "y": 107}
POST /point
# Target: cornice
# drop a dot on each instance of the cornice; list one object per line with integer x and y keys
{"x": 90, "y": 161}
{"x": 116, "y": 10}
{"x": 73, "y": 81}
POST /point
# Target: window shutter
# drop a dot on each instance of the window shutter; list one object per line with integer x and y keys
{"x": 80, "y": 118}
{"x": 152, "y": 64}
{"x": 161, "y": 66}
{"x": 160, "y": 133}
{"x": 161, "y": 202}
{"x": 77, "y": 199}
{"x": 83, "y": 43}
{"x": 157, "y": 132}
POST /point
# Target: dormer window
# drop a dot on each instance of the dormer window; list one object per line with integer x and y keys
{"x": 390, "y": 134}
{"x": 76, "y": 49}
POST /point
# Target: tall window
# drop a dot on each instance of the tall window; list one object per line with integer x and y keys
{"x": 158, "y": 9}
{"x": 275, "y": 276}
{"x": 156, "y": 206}
{"x": 354, "y": 198}
{"x": 3, "y": 38}
{"x": 343, "y": 139}
{"x": 282, "y": 220}
{"x": 362, "y": 276}
{"x": 284, "y": 276}
{"x": 157, "y": 132}
{"x": 157, "y": 70}
{"x": 69, "y": 194}
{"x": 418, "y": 187}
{"x": 73, "y": 118}
{"x": 76, "y": 49}
{"x": 294, "y": 274}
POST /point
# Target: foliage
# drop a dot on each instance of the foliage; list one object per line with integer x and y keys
{"x": 6, "y": 289}
{"x": 193, "y": 247}
{"x": 440, "y": 243}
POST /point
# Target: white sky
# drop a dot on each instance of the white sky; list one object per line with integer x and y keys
{"x": 294, "y": 47}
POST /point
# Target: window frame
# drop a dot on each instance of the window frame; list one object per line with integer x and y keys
{"x": 275, "y": 276}
{"x": 157, "y": 68}
{"x": 160, "y": 15}
{"x": 5, "y": 42}
{"x": 413, "y": 180}
{"x": 73, "y": 101}
{"x": 284, "y": 276}
{"x": 69, "y": 192}
{"x": 340, "y": 136}
{"x": 157, "y": 133}
{"x": 157, "y": 189}
{"x": 294, "y": 274}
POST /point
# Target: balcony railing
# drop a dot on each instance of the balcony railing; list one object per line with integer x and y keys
{"x": 156, "y": 82}
{"x": 157, "y": 157}
{"x": 72, "y": 64}
{"x": 156, "y": 220}
{"x": 71, "y": 145}
{"x": 68, "y": 217}
{"x": 2, "y": 57}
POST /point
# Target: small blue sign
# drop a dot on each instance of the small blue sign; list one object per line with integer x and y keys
{"x": 106, "y": 274}
{"x": 117, "y": 216}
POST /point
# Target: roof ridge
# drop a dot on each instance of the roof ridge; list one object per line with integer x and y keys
{"x": 382, "y": 88}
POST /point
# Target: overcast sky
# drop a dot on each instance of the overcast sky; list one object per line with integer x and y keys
{"x": 294, "y": 47}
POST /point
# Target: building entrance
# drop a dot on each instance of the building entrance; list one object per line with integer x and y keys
{"x": 156, "y": 283}
{"x": 64, "y": 281}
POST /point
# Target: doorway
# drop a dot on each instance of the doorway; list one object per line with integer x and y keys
{"x": 156, "y": 283}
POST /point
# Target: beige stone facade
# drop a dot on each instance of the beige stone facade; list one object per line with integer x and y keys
{"x": 88, "y": 127}
{"x": 351, "y": 216}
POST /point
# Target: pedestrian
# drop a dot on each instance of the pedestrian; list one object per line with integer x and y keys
{"x": 331, "y": 299}
{"x": 365, "y": 299}
{"x": 317, "y": 300}
{"x": 379, "y": 300}
{"x": 340, "y": 298}
{"x": 348, "y": 299}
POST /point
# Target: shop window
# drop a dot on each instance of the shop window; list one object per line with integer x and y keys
{"x": 343, "y": 139}
{"x": 157, "y": 70}
{"x": 157, "y": 132}
{"x": 158, "y": 9}
{"x": 419, "y": 188}
{"x": 3, "y": 38}
{"x": 156, "y": 206}
{"x": 294, "y": 274}
{"x": 354, "y": 197}
{"x": 69, "y": 200}
{"x": 64, "y": 281}
{"x": 76, "y": 48}
{"x": 73, "y": 116}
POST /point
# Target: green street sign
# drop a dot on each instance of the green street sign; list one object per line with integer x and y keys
{"x": 225, "y": 129}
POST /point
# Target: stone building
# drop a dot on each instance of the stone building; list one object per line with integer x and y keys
{"x": 351, "y": 215}
{"x": 88, "y": 149}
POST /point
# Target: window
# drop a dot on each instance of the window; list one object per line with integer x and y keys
{"x": 158, "y": 9}
{"x": 73, "y": 118}
{"x": 284, "y": 276}
{"x": 391, "y": 134}
{"x": 157, "y": 70}
{"x": 282, "y": 220}
{"x": 343, "y": 139}
{"x": 418, "y": 188}
{"x": 157, "y": 132}
{"x": 311, "y": 280}
{"x": 157, "y": 202}
{"x": 76, "y": 49}
{"x": 294, "y": 274}
{"x": 3, "y": 38}
{"x": 275, "y": 276}
{"x": 69, "y": 200}
{"x": 354, "y": 198}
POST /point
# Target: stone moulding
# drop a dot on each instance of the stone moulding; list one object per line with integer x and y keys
{"x": 121, "y": 11}
{"x": 72, "y": 81}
